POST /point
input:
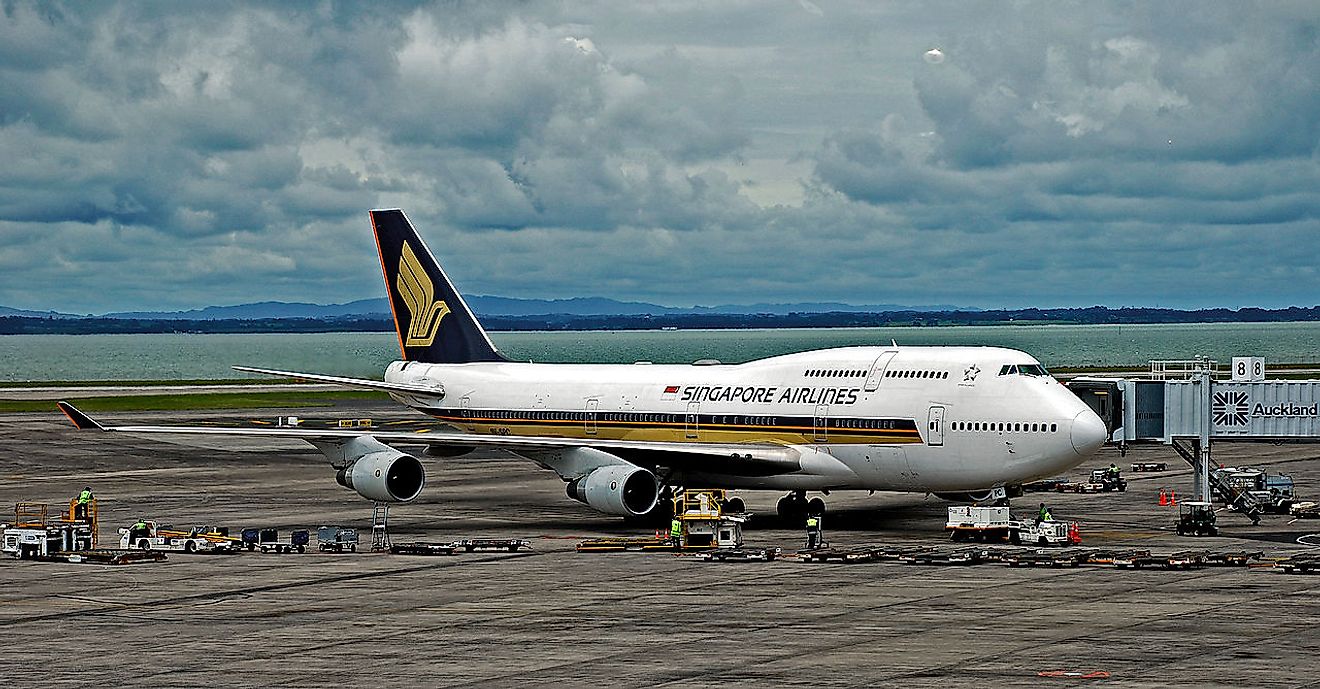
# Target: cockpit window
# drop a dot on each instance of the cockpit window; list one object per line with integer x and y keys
{"x": 1024, "y": 369}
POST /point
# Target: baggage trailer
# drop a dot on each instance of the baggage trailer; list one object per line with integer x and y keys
{"x": 268, "y": 540}
{"x": 336, "y": 539}
{"x": 1142, "y": 467}
{"x": 1186, "y": 559}
{"x": 1306, "y": 563}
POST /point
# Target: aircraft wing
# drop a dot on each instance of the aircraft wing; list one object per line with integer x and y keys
{"x": 752, "y": 459}
{"x": 436, "y": 391}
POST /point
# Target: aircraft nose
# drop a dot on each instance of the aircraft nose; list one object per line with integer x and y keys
{"x": 1088, "y": 433}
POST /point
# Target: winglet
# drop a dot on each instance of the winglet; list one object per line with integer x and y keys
{"x": 80, "y": 420}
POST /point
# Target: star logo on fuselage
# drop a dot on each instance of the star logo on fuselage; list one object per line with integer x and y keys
{"x": 970, "y": 373}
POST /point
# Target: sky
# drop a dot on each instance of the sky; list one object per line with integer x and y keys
{"x": 163, "y": 155}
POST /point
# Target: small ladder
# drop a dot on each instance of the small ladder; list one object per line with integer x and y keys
{"x": 380, "y": 535}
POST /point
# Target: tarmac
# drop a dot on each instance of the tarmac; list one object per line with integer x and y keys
{"x": 552, "y": 616}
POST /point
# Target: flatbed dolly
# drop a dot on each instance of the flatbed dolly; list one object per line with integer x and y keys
{"x": 423, "y": 549}
{"x": 627, "y": 544}
{"x": 1149, "y": 466}
{"x": 1306, "y": 563}
{"x": 966, "y": 556}
{"x": 1047, "y": 558}
{"x": 1186, "y": 559}
{"x": 1237, "y": 558}
{"x": 740, "y": 555}
{"x": 111, "y": 557}
{"x": 850, "y": 555}
{"x": 472, "y": 545}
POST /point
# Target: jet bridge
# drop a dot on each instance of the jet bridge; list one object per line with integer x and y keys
{"x": 1190, "y": 404}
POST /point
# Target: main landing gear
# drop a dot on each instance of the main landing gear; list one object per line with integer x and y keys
{"x": 795, "y": 507}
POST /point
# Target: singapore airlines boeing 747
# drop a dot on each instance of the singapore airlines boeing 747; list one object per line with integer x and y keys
{"x": 960, "y": 422}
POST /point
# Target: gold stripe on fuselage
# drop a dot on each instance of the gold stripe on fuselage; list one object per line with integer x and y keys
{"x": 678, "y": 432}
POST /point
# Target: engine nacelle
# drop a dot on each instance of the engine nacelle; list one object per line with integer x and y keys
{"x": 621, "y": 489}
{"x": 385, "y": 476}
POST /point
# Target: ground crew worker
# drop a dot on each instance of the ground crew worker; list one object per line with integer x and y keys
{"x": 813, "y": 532}
{"x": 84, "y": 504}
{"x": 1043, "y": 515}
{"x": 676, "y": 533}
{"x": 1113, "y": 470}
{"x": 139, "y": 529}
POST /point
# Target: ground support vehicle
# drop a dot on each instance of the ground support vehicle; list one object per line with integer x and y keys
{"x": 1149, "y": 466}
{"x": 1254, "y": 491}
{"x": 1047, "y": 558}
{"x": 423, "y": 549}
{"x": 1196, "y": 518}
{"x": 1108, "y": 481}
{"x": 337, "y": 539}
{"x": 740, "y": 555}
{"x": 166, "y": 540}
{"x": 217, "y": 535}
{"x": 965, "y": 556}
{"x": 997, "y": 525}
{"x": 1305, "y": 510}
{"x": 35, "y": 535}
{"x": 268, "y": 540}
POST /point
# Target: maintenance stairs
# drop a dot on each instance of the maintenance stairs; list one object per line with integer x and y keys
{"x": 1237, "y": 500}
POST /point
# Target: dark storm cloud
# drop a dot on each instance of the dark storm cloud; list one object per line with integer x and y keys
{"x": 164, "y": 155}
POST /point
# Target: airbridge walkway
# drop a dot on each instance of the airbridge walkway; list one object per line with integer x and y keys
{"x": 1192, "y": 404}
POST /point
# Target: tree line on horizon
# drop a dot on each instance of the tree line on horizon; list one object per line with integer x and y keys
{"x": 1095, "y": 315}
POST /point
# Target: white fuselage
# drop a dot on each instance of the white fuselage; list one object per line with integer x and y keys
{"x": 925, "y": 419}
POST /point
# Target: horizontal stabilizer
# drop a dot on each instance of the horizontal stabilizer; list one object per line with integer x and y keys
{"x": 436, "y": 391}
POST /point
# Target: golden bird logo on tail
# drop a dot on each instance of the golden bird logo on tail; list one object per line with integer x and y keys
{"x": 424, "y": 311}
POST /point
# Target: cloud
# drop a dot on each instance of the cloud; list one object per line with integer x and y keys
{"x": 1059, "y": 154}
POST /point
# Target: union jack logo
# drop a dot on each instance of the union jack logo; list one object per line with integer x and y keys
{"x": 1229, "y": 408}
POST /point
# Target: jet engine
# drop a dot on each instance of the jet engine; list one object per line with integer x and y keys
{"x": 384, "y": 476}
{"x": 622, "y": 489}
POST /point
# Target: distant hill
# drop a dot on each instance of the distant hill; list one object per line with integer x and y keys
{"x": 506, "y": 306}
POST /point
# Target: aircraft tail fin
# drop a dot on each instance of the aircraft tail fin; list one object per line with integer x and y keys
{"x": 434, "y": 324}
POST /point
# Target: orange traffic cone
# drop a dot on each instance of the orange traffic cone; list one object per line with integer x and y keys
{"x": 1164, "y": 498}
{"x": 1173, "y": 498}
{"x": 1074, "y": 533}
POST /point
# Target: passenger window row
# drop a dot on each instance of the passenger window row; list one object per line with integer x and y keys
{"x": 917, "y": 374}
{"x": 833, "y": 373}
{"x": 1004, "y": 427}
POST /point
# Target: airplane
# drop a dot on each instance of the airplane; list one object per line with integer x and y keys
{"x": 963, "y": 423}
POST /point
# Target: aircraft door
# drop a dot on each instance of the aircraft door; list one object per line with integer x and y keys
{"x": 690, "y": 420}
{"x": 466, "y": 414}
{"x": 935, "y": 427}
{"x": 821, "y": 423}
{"x": 593, "y": 407}
{"x": 878, "y": 371}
